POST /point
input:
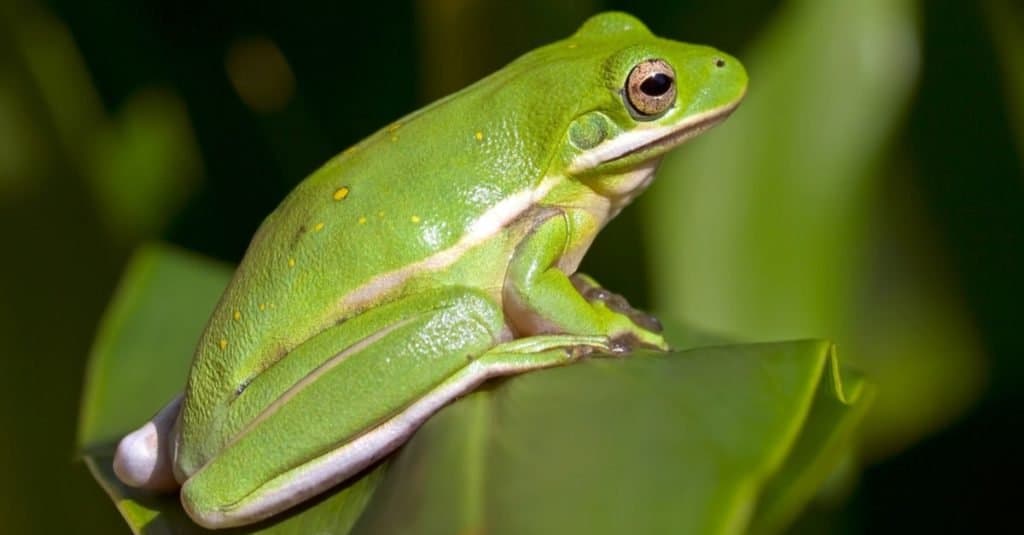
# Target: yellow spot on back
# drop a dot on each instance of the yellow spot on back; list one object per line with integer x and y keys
{"x": 380, "y": 213}
{"x": 318, "y": 227}
{"x": 291, "y": 262}
{"x": 415, "y": 219}
{"x": 479, "y": 136}
{"x": 362, "y": 220}
{"x": 394, "y": 138}
{"x": 263, "y": 306}
{"x": 237, "y": 315}
{"x": 223, "y": 343}
{"x": 341, "y": 193}
{"x": 573, "y": 45}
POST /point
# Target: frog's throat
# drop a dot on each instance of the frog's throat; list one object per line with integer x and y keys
{"x": 653, "y": 139}
{"x": 630, "y": 185}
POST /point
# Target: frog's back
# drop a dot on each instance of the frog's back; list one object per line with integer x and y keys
{"x": 408, "y": 199}
{"x": 405, "y": 200}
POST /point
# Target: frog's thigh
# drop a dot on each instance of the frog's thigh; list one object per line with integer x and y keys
{"x": 341, "y": 417}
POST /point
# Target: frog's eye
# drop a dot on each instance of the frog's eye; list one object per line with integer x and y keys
{"x": 651, "y": 88}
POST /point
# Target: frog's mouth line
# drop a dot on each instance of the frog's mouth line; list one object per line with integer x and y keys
{"x": 656, "y": 140}
{"x": 681, "y": 134}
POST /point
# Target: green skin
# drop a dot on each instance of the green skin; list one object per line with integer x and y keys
{"x": 434, "y": 254}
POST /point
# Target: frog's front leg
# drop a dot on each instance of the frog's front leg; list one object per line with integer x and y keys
{"x": 541, "y": 298}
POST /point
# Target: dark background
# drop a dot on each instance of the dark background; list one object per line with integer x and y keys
{"x": 125, "y": 121}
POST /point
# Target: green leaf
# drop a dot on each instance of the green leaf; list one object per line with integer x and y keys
{"x": 653, "y": 443}
{"x": 825, "y": 443}
{"x": 701, "y": 440}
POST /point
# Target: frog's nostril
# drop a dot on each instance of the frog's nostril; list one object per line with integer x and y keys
{"x": 719, "y": 62}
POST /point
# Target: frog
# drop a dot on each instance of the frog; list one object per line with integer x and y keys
{"x": 434, "y": 255}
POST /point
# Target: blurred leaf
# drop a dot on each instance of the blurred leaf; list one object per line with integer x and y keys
{"x": 59, "y": 75}
{"x": 763, "y": 210}
{"x": 144, "y": 164}
{"x": 1007, "y": 21}
{"x": 140, "y": 167}
{"x": 679, "y": 442}
{"x": 498, "y": 32}
{"x": 22, "y": 158}
{"x": 772, "y": 225}
{"x": 38, "y": 63}
{"x": 260, "y": 74}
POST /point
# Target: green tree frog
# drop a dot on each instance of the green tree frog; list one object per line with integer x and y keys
{"x": 437, "y": 253}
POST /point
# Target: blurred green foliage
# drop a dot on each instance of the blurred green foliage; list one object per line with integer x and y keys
{"x": 796, "y": 238}
{"x": 869, "y": 191}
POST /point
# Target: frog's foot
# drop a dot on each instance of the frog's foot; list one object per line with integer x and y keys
{"x": 593, "y": 292}
{"x": 541, "y": 351}
{"x": 144, "y": 457}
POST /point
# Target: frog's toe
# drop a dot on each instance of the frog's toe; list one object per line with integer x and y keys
{"x": 143, "y": 457}
{"x": 626, "y": 343}
{"x": 646, "y": 321}
{"x": 595, "y": 293}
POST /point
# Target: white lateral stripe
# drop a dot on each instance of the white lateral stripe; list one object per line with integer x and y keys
{"x": 293, "y": 487}
{"x": 491, "y": 222}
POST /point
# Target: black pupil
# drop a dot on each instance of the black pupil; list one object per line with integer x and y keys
{"x": 656, "y": 85}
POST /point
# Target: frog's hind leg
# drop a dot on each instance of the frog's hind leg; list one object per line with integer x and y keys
{"x": 363, "y": 401}
{"x": 344, "y": 399}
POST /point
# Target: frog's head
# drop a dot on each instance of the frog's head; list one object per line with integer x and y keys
{"x": 630, "y": 97}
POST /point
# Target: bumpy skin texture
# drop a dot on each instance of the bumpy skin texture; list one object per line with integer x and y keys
{"x": 410, "y": 261}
